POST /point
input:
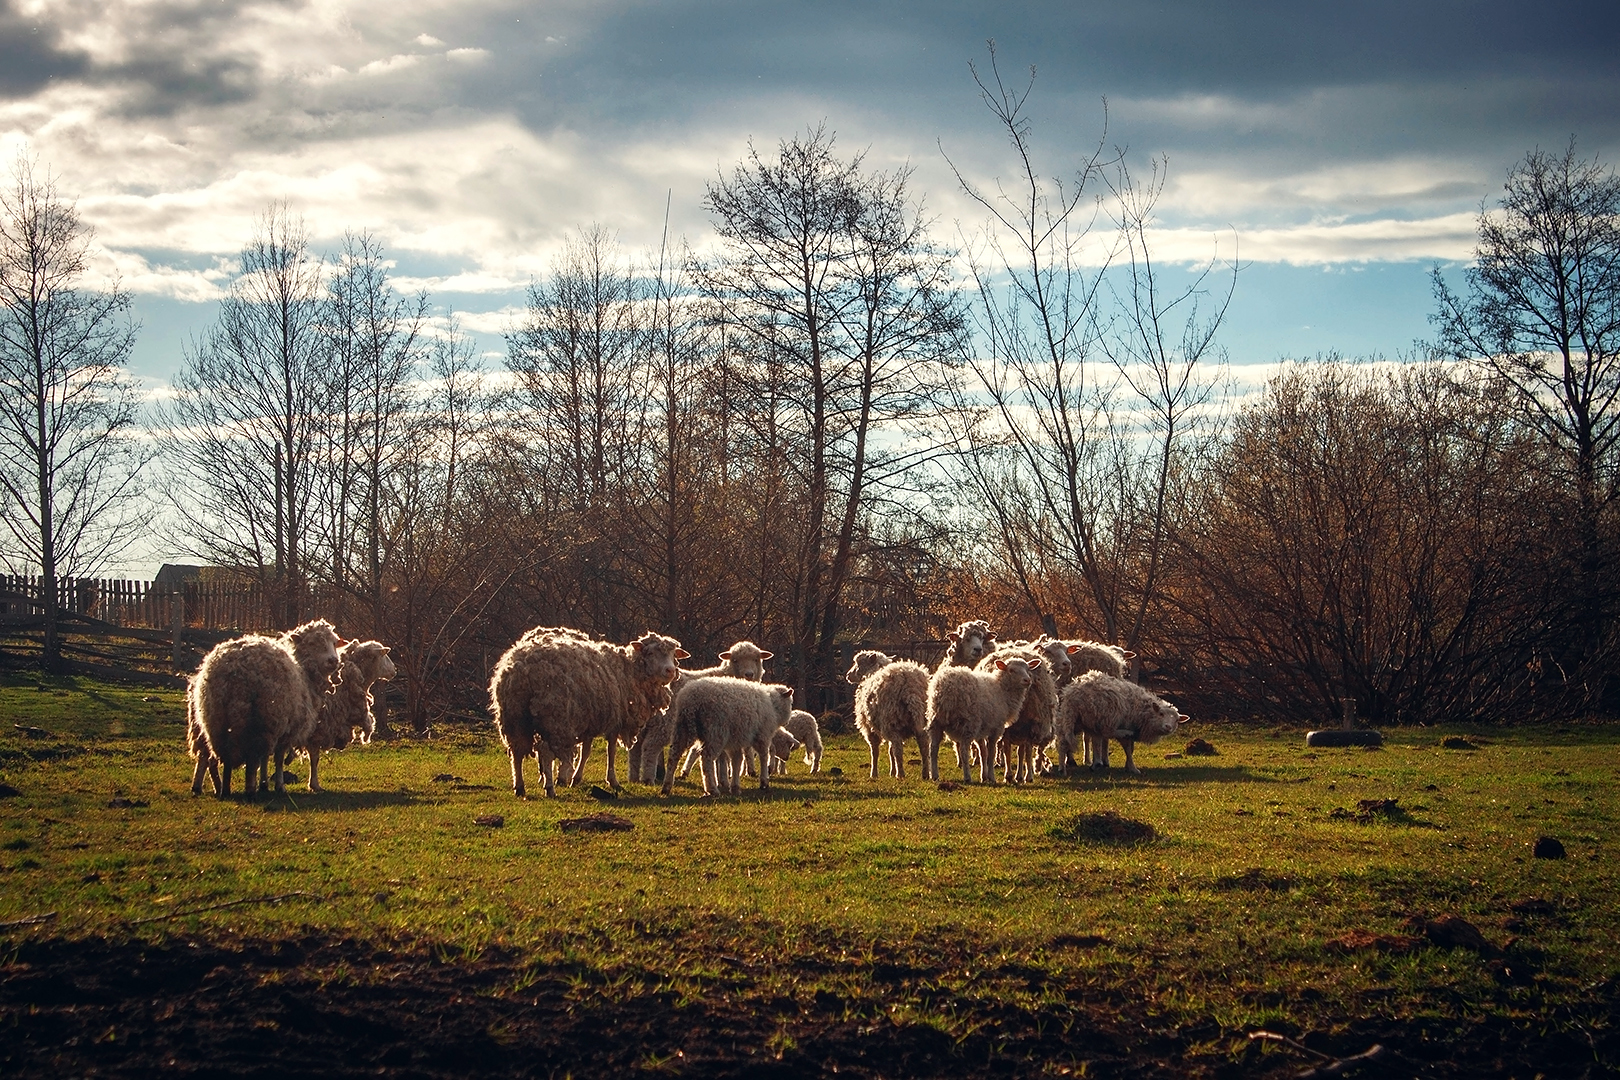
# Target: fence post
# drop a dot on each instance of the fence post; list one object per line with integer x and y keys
{"x": 177, "y": 621}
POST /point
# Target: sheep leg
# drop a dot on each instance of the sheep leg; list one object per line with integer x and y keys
{"x": 1130, "y": 748}
{"x": 520, "y": 749}
{"x": 987, "y": 763}
{"x": 612, "y": 775}
{"x": 547, "y": 761}
{"x": 281, "y": 771}
{"x": 897, "y": 759}
{"x": 711, "y": 772}
{"x": 314, "y": 769}
{"x": 225, "y": 789}
{"x": 582, "y": 750}
{"x": 213, "y": 772}
{"x": 965, "y": 760}
{"x": 763, "y": 749}
{"x": 197, "y": 772}
{"x": 688, "y": 761}
{"x": 250, "y": 779}
{"x": 930, "y": 756}
{"x": 734, "y": 763}
{"x": 633, "y": 768}
{"x": 872, "y": 740}
{"x": 1099, "y": 752}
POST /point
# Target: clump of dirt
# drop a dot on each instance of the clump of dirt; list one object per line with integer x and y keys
{"x": 1450, "y": 932}
{"x": 1368, "y": 811}
{"x": 1106, "y": 827}
{"x": 1548, "y": 847}
{"x": 8, "y": 792}
{"x": 596, "y": 823}
{"x": 490, "y": 821}
{"x": 1457, "y": 742}
{"x": 1360, "y": 940}
{"x": 1200, "y": 748}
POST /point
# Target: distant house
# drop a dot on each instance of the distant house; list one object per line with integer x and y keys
{"x": 172, "y": 574}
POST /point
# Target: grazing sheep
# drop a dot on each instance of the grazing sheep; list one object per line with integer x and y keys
{"x": 728, "y": 716}
{"x": 801, "y": 729}
{"x": 556, "y": 689}
{"x": 1104, "y": 708}
{"x": 1087, "y": 656}
{"x": 744, "y": 660}
{"x": 969, "y": 643}
{"x": 1029, "y": 733}
{"x": 346, "y": 710}
{"x": 891, "y": 705}
{"x": 257, "y": 696}
{"x": 974, "y": 707}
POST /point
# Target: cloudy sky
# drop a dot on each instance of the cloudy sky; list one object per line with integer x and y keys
{"x": 1344, "y": 148}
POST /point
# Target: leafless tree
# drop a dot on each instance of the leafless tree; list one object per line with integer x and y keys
{"x": 69, "y": 465}
{"x": 1541, "y": 314}
{"x": 243, "y": 428}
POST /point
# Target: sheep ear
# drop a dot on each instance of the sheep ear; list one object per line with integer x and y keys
{"x": 1001, "y": 665}
{"x": 1033, "y": 664}
{"x": 636, "y": 645}
{"x": 340, "y": 642}
{"x": 681, "y": 654}
{"x": 1182, "y": 718}
{"x": 1127, "y": 654}
{"x": 765, "y": 655}
{"x": 954, "y": 636}
{"x": 726, "y": 655}
{"x": 387, "y": 649}
{"x": 1073, "y": 649}
{"x": 785, "y": 691}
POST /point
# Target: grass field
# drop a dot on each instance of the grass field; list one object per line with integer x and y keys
{"x": 833, "y": 924}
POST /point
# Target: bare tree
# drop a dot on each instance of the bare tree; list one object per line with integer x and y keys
{"x": 69, "y": 465}
{"x": 1541, "y": 314}
{"x": 244, "y": 425}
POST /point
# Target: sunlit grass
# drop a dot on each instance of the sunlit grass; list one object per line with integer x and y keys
{"x": 892, "y": 898}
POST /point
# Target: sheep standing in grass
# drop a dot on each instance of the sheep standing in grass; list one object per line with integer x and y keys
{"x": 556, "y": 690}
{"x": 891, "y": 705}
{"x": 968, "y": 644}
{"x": 1104, "y": 708}
{"x": 257, "y": 696}
{"x": 1028, "y": 735}
{"x": 728, "y": 716}
{"x": 744, "y": 660}
{"x": 346, "y": 709}
{"x": 1085, "y": 656}
{"x": 972, "y": 707}
{"x": 800, "y": 729}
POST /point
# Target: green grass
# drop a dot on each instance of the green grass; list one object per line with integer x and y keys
{"x": 924, "y": 906}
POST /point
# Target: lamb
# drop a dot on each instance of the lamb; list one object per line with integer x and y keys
{"x": 744, "y": 660}
{"x": 1028, "y": 735}
{"x": 891, "y": 705}
{"x": 347, "y": 709}
{"x": 969, "y": 643}
{"x": 801, "y": 729}
{"x": 728, "y": 716}
{"x": 556, "y": 689}
{"x": 974, "y": 707}
{"x": 256, "y": 696}
{"x": 1105, "y": 708}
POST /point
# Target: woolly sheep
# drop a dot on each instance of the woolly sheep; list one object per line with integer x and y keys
{"x": 346, "y": 709}
{"x": 744, "y": 660}
{"x": 1029, "y": 733}
{"x": 728, "y": 715}
{"x": 801, "y": 729}
{"x": 891, "y": 705}
{"x": 865, "y": 662}
{"x": 1105, "y": 708}
{"x": 1087, "y": 656}
{"x": 258, "y": 696}
{"x": 969, "y": 643}
{"x": 197, "y": 744}
{"x": 974, "y": 707}
{"x": 556, "y": 689}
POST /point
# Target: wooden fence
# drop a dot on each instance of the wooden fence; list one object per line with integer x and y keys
{"x": 203, "y": 605}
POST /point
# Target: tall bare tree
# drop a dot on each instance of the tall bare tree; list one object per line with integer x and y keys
{"x": 69, "y": 466}
{"x": 244, "y": 425}
{"x": 1541, "y": 314}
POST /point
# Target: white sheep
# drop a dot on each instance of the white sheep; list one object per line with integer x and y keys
{"x": 969, "y": 643}
{"x": 1104, "y": 708}
{"x": 728, "y": 716}
{"x": 255, "y": 696}
{"x": 744, "y": 660}
{"x": 1029, "y": 733}
{"x": 972, "y": 707}
{"x": 801, "y": 729}
{"x": 554, "y": 691}
{"x": 891, "y": 705}
{"x": 1086, "y": 656}
{"x": 346, "y": 709}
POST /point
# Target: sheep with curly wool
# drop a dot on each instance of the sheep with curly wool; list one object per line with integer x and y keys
{"x": 728, "y": 716}
{"x": 1086, "y": 656}
{"x": 1031, "y": 730}
{"x": 973, "y": 708}
{"x": 801, "y": 729}
{"x": 1104, "y": 708}
{"x": 555, "y": 691}
{"x": 256, "y": 697}
{"x": 345, "y": 711}
{"x": 891, "y": 705}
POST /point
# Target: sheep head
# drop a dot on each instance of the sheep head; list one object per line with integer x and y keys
{"x": 1057, "y": 656}
{"x": 970, "y": 642}
{"x": 655, "y": 658}
{"x": 315, "y": 646}
{"x": 1158, "y": 720}
{"x": 372, "y": 658}
{"x": 866, "y": 662}
{"x": 747, "y": 660}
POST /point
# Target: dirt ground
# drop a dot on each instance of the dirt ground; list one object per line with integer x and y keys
{"x": 321, "y": 1008}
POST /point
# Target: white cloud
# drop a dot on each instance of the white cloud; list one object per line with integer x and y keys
{"x": 468, "y": 55}
{"x": 427, "y": 41}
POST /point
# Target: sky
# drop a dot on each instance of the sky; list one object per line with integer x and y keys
{"x": 1337, "y": 151}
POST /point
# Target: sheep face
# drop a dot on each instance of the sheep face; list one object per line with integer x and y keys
{"x": 747, "y": 661}
{"x": 970, "y": 641}
{"x": 1057, "y": 657}
{"x": 1160, "y": 720}
{"x": 1017, "y": 675}
{"x": 315, "y": 644}
{"x": 657, "y": 657}
{"x": 866, "y": 662}
{"x": 372, "y": 658}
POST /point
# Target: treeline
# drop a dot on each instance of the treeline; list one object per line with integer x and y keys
{"x": 828, "y": 428}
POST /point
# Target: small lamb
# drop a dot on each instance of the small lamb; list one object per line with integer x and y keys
{"x": 728, "y": 716}
{"x": 973, "y": 708}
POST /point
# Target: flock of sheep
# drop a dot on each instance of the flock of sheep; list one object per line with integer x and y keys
{"x": 259, "y": 699}
{"x": 556, "y": 690}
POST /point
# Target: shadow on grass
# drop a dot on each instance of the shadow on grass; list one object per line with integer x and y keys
{"x": 1085, "y": 779}
{"x": 307, "y": 802}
